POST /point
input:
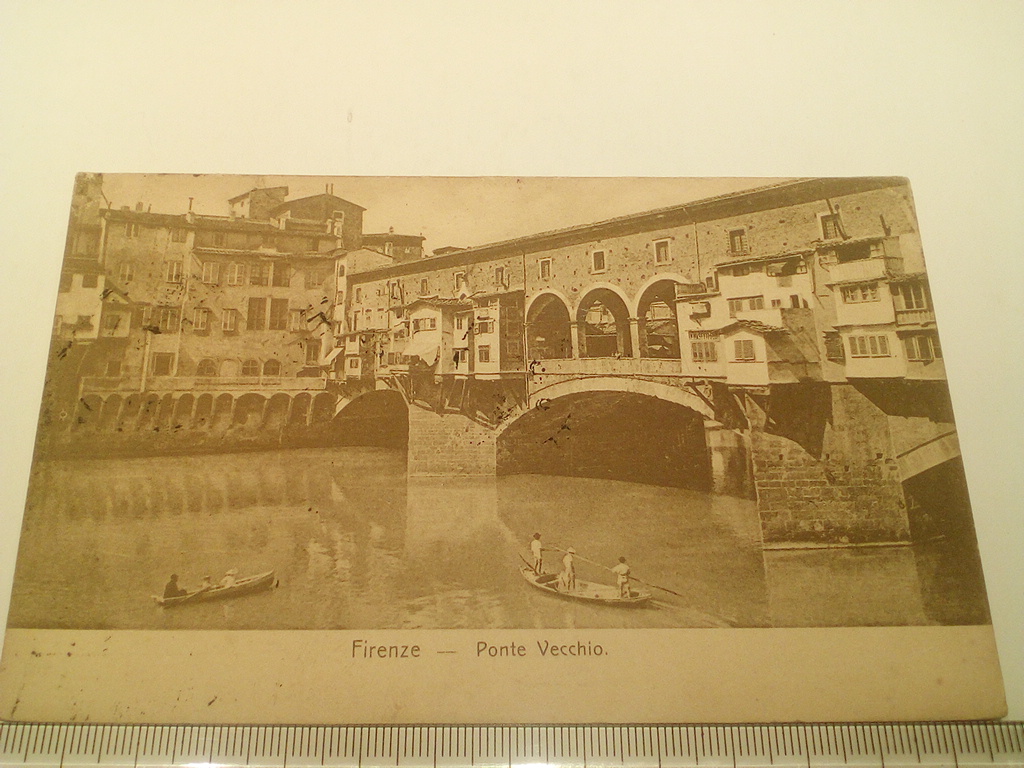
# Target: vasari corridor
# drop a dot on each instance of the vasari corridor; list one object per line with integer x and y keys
{"x": 730, "y": 411}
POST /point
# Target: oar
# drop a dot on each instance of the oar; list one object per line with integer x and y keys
{"x": 527, "y": 562}
{"x": 631, "y": 576}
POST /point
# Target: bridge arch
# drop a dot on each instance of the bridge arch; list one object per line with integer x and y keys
{"x": 614, "y": 428}
{"x": 379, "y": 418}
{"x": 677, "y": 395}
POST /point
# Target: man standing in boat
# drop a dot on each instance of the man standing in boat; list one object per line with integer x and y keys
{"x": 172, "y": 589}
{"x": 538, "y": 554}
{"x": 621, "y": 572}
{"x": 567, "y": 579}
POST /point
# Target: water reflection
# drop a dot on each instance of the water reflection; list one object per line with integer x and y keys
{"x": 355, "y": 544}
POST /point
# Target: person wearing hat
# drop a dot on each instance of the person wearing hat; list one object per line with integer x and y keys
{"x": 621, "y": 572}
{"x": 172, "y": 589}
{"x": 567, "y": 579}
{"x": 229, "y": 578}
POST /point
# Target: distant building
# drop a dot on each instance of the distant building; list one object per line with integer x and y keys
{"x": 247, "y": 297}
{"x": 401, "y": 248}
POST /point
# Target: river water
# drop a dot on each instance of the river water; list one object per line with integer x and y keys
{"x": 355, "y": 544}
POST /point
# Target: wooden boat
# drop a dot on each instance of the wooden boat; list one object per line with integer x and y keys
{"x": 241, "y": 587}
{"x": 585, "y": 590}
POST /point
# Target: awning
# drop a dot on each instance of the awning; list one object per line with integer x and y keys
{"x": 332, "y": 354}
{"x": 423, "y": 346}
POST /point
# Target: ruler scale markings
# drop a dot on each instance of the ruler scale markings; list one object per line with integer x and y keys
{"x": 988, "y": 741}
{"x": 1017, "y": 738}
{"x": 959, "y": 744}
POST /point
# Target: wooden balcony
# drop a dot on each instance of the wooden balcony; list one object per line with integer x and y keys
{"x": 864, "y": 270}
{"x": 915, "y": 317}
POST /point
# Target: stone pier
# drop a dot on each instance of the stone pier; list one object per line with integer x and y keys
{"x": 449, "y": 444}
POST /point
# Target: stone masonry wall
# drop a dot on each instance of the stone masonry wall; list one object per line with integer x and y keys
{"x": 838, "y": 487}
{"x": 449, "y": 444}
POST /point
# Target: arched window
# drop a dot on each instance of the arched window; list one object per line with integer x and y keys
{"x": 548, "y": 333}
{"x": 659, "y": 332}
{"x": 206, "y": 367}
{"x": 272, "y": 368}
{"x": 251, "y": 368}
{"x": 604, "y": 325}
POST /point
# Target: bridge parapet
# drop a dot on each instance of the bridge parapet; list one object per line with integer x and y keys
{"x": 260, "y": 385}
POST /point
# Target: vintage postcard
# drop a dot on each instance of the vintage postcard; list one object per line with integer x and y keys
{"x": 496, "y": 450}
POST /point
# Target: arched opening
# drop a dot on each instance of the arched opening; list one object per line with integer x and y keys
{"x": 379, "y": 419}
{"x": 249, "y": 410}
{"x": 300, "y": 409}
{"x": 612, "y": 436}
{"x": 272, "y": 368}
{"x": 109, "y": 412}
{"x": 658, "y": 327}
{"x": 204, "y": 412}
{"x": 220, "y": 420}
{"x": 88, "y": 415}
{"x": 147, "y": 413}
{"x": 604, "y": 325}
{"x": 207, "y": 368}
{"x": 164, "y": 413}
{"x": 129, "y": 413}
{"x": 277, "y": 412}
{"x": 547, "y": 329}
{"x": 183, "y": 412}
{"x": 251, "y": 368}
{"x": 323, "y": 408}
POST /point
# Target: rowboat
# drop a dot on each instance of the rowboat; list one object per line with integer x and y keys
{"x": 585, "y": 590}
{"x": 241, "y": 587}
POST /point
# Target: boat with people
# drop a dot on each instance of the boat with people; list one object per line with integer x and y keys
{"x": 239, "y": 587}
{"x": 584, "y": 590}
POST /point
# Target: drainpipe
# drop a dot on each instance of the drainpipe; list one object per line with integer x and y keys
{"x": 145, "y": 359}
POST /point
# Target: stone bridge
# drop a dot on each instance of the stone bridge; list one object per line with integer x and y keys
{"x": 827, "y": 463}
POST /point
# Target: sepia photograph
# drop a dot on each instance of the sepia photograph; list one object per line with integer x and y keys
{"x": 390, "y": 403}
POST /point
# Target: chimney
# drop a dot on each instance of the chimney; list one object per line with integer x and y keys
{"x": 138, "y": 206}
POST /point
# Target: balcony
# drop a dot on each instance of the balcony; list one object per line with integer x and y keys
{"x": 915, "y": 317}
{"x": 865, "y": 269}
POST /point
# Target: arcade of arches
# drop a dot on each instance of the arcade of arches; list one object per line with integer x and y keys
{"x": 603, "y": 326}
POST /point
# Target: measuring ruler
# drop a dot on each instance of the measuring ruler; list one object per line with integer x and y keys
{"x": 425, "y": 746}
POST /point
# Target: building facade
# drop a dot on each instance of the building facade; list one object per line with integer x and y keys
{"x": 777, "y": 344}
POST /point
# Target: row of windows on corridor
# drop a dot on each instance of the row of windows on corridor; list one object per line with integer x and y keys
{"x": 918, "y": 347}
{"x": 261, "y": 314}
{"x": 277, "y": 274}
{"x": 831, "y": 228}
{"x": 162, "y": 364}
{"x": 235, "y": 240}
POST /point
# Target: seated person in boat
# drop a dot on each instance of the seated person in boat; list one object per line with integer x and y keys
{"x": 230, "y": 578}
{"x": 172, "y": 589}
{"x": 621, "y": 572}
{"x": 207, "y": 584}
{"x": 567, "y": 578}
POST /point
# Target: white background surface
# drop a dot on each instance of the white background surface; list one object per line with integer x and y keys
{"x": 932, "y": 91}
